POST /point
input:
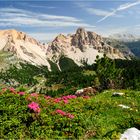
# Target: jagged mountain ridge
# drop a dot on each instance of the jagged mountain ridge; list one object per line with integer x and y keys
{"x": 81, "y": 46}
{"x": 125, "y": 37}
{"x": 24, "y": 47}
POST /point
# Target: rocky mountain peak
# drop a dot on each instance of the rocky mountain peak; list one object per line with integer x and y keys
{"x": 60, "y": 37}
{"x": 80, "y": 31}
{"x": 12, "y": 35}
{"x": 83, "y": 45}
{"x": 80, "y": 47}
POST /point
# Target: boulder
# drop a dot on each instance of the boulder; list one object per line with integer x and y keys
{"x": 131, "y": 134}
{"x": 86, "y": 91}
{"x": 118, "y": 94}
{"x": 123, "y": 106}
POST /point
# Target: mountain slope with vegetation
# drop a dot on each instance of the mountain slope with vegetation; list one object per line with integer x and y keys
{"x": 41, "y": 116}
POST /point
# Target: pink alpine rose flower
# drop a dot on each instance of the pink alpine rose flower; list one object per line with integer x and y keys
{"x": 70, "y": 116}
{"x": 86, "y": 97}
{"x": 21, "y": 93}
{"x": 34, "y": 106}
{"x": 60, "y": 112}
{"x": 66, "y": 101}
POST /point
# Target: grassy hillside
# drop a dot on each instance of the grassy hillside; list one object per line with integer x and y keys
{"x": 43, "y": 104}
{"x": 37, "y": 116}
{"x": 6, "y": 59}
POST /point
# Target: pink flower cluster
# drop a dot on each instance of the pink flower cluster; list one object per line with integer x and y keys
{"x": 34, "y": 106}
{"x": 21, "y": 93}
{"x": 86, "y": 97}
{"x": 12, "y": 90}
{"x": 62, "y": 113}
{"x": 34, "y": 95}
{"x": 15, "y": 92}
{"x": 47, "y": 97}
{"x": 65, "y": 98}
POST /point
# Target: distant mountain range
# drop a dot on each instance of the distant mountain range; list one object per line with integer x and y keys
{"x": 125, "y": 37}
{"x": 81, "y": 47}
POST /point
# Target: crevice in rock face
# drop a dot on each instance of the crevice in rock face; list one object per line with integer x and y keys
{"x": 26, "y": 52}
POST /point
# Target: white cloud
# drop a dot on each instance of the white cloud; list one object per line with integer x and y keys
{"x": 120, "y": 8}
{"x": 20, "y": 17}
{"x": 97, "y": 12}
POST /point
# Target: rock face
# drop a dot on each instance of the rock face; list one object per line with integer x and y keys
{"x": 23, "y": 47}
{"x": 81, "y": 47}
{"x": 86, "y": 91}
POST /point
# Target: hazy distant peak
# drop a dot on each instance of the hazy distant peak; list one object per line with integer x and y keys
{"x": 125, "y": 37}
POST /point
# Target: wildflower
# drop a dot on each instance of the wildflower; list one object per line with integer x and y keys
{"x": 86, "y": 97}
{"x": 21, "y": 93}
{"x": 12, "y": 90}
{"x": 34, "y": 94}
{"x": 47, "y": 97}
{"x": 57, "y": 100}
{"x": 70, "y": 116}
{"x": 73, "y": 96}
{"x": 34, "y": 106}
{"x": 60, "y": 112}
{"x": 66, "y": 101}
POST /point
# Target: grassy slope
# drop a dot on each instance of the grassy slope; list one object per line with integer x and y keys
{"x": 6, "y": 59}
{"x": 98, "y": 117}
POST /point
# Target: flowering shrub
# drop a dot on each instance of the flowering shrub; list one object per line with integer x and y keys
{"x": 34, "y": 106}
{"x": 64, "y": 114}
{"x": 21, "y": 93}
{"x": 38, "y": 116}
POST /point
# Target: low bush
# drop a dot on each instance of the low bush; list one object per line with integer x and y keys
{"x": 31, "y": 116}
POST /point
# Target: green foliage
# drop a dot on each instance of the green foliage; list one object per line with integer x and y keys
{"x": 97, "y": 117}
{"x": 109, "y": 76}
{"x": 54, "y": 67}
{"x": 23, "y": 75}
{"x": 131, "y": 73}
{"x": 67, "y": 64}
{"x": 134, "y": 47}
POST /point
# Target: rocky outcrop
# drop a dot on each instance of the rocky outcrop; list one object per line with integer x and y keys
{"x": 86, "y": 91}
{"x": 85, "y": 44}
{"x": 131, "y": 134}
{"x": 81, "y": 46}
{"x": 14, "y": 35}
{"x": 24, "y": 47}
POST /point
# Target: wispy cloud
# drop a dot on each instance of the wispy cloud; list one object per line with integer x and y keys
{"x": 20, "y": 17}
{"x": 41, "y": 6}
{"x": 120, "y": 8}
{"x": 97, "y": 12}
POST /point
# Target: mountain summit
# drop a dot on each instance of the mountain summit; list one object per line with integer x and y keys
{"x": 22, "y": 47}
{"x": 83, "y": 46}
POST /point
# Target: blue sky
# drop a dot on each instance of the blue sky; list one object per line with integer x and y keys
{"x": 45, "y": 19}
